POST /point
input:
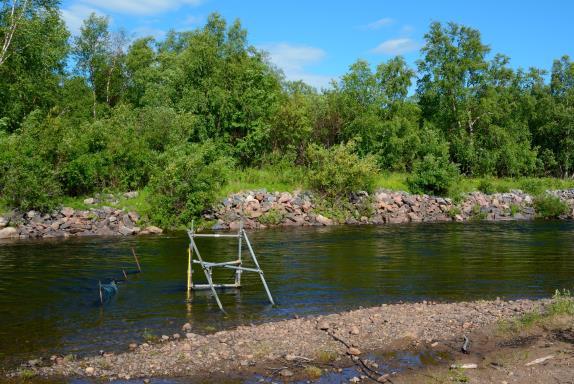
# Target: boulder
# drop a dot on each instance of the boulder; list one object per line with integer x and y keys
{"x": 67, "y": 211}
{"x": 134, "y": 216}
{"x": 3, "y": 222}
{"x": 131, "y": 194}
{"x": 89, "y": 201}
{"x": 153, "y": 230}
{"x": 8, "y": 233}
{"x": 126, "y": 231}
{"x": 323, "y": 220}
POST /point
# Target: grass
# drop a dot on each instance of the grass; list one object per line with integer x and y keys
{"x": 138, "y": 204}
{"x": 562, "y": 305}
{"x": 312, "y": 372}
{"x": 272, "y": 178}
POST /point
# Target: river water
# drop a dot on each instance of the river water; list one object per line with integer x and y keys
{"x": 49, "y": 295}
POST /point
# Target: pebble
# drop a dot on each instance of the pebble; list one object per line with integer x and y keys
{"x": 286, "y": 373}
{"x": 354, "y": 330}
{"x": 353, "y": 351}
{"x": 90, "y": 370}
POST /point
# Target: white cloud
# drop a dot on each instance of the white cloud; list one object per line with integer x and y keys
{"x": 396, "y": 46}
{"x": 146, "y": 31}
{"x": 75, "y": 15}
{"x": 294, "y": 60}
{"x": 379, "y": 23}
{"x": 141, "y": 7}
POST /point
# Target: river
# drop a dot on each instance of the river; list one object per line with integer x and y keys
{"x": 49, "y": 296}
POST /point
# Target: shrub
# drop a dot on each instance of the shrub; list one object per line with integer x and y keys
{"x": 487, "y": 186}
{"x": 29, "y": 183}
{"x": 186, "y": 183}
{"x": 549, "y": 207}
{"x": 272, "y": 217}
{"x": 339, "y": 171}
{"x": 532, "y": 186}
{"x": 433, "y": 175}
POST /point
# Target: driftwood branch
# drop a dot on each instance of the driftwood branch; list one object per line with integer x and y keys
{"x": 371, "y": 373}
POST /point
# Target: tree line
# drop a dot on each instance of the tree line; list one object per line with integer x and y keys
{"x": 97, "y": 111}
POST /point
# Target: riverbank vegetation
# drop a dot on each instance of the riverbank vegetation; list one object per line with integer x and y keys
{"x": 201, "y": 113}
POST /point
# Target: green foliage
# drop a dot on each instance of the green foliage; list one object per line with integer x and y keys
{"x": 29, "y": 183}
{"x": 433, "y": 175}
{"x": 487, "y": 186}
{"x": 271, "y": 217}
{"x": 339, "y": 171}
{"x": 562, "y": 304}
{"x": 128, "y": 111}
{"x": 549, "y": 207}
{"x": 185, "y": 182}
{"x": 453, "y": 212}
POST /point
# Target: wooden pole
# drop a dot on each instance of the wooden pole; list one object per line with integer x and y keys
{"x": 125, "y": 275}
{"x": 100, "y": 289}
{"x": 136, "y": 258}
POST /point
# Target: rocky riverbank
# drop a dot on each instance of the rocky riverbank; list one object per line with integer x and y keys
{"x": 260, "y": 209}
{"x": 66, "y": 222}
{"x": 325, "y": 343}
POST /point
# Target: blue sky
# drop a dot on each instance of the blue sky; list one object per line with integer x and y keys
{"x": 318, "y": 40}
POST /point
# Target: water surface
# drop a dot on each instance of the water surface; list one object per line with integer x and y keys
{"x": 49, "y": 296}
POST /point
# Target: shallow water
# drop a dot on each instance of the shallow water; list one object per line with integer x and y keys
{"x": 49, "y": 297}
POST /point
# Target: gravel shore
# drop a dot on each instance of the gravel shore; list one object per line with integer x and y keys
{"x": 324, "y": 339}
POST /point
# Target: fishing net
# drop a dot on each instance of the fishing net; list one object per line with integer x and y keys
{"x": 108, "y": 290}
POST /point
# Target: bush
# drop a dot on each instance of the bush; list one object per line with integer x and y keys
{"x": 550, "y": 207}
{"x": 339, "y": 171}
{"x": 186, "y": 183}
{"x": 487, "y": 186}
{"x": 433, "y": 175}
{"x": 29, "y": 183}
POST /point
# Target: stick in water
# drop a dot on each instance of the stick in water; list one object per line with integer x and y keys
{"x": 125, "y": 275}
{"x": 137, "y": 261}
{"x": 100, "y": 289}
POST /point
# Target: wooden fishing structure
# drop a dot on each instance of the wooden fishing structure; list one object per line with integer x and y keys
{"x": 194, "y": 257}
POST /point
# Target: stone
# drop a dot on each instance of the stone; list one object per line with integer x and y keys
{"x": 90, "y": 201}
{"x": 354, "y": 330}
{"x": 323, "y": 220}
{"x": 165, "y": 337}
{"x": 126, "y": 231}
{"x": 127, "y": 221}
{"x": 131, "y": 194}
{"x": 286, "y": 372}
{"x": 353, "y": 351}
{"x": 8, "y": 233}
{"x": 31, "y": 214}
{"x": 186, "y": 327}
{"x": 90, "y": 370}
{"x": 67, "y": 211}
{"x": 3, "y": 222}
{"x": 133, "y": 346}
{"x": 153, "y": 230}
{"x": 323, "y": 325}
{"x": 134, "y": 216}
{"x": 284, "y": 198}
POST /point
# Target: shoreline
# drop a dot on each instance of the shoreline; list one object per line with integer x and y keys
{"x": 259, "y": 209}
{"x": 248, "y": 350}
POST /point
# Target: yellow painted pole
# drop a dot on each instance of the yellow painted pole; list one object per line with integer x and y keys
{"x": 188, "y": 269}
